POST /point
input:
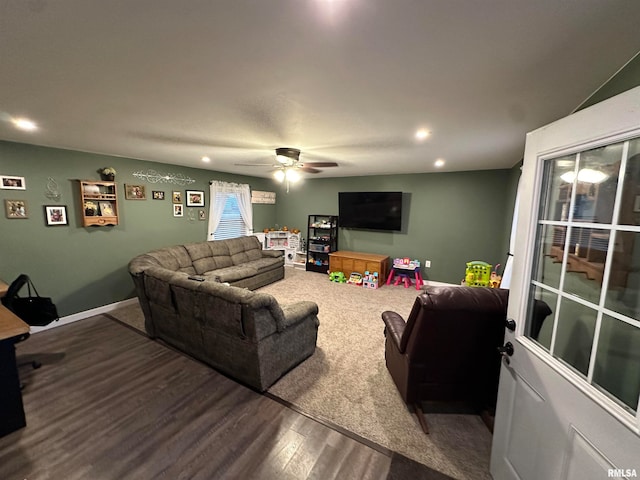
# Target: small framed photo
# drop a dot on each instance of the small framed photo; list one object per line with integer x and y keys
{"x": 202, "y": 214}
{"x": 195, "y": 198}
{"x": 178, "y": 211}
{"x": 106, "y": 209}
{"x": 157, "y": 195}
{"x": 135, "y": 192}
{"x": 12, "y": 183}
{"x": 176, "y": 197}
{"x": 636, "y": 204}
{"x": 55, "y": 215}
{"x": 16, "y": 209}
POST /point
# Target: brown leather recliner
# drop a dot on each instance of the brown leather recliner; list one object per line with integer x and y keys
{"x": 447, "y": 350}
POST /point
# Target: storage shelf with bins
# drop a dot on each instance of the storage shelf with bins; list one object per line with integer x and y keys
{"x": 99, "y": 203}
{"x": 322, "y": 239}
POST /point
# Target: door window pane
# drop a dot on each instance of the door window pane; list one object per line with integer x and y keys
{"x": 617, "y": 367}
{"x": 557, "y": 191}
{"x": 585, "y": 263}
{"x": 623, "y": 292}
{"x": 540, "y": 316}
{"x": 548, "y": 263}
{"x": 574, "y": 337}
{"x": 597, "y": 183}
{"x": 630, "y": 205}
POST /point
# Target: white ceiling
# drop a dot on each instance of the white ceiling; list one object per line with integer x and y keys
{"x": 343, "y": 80}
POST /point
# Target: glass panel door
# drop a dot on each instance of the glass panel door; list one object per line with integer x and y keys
{"x": 584, "y": 300}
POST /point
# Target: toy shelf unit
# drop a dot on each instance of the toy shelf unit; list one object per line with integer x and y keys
{"x": 287, "y": 241}
{"x": 322, "y": 239}
{"x": 98, "y": 203}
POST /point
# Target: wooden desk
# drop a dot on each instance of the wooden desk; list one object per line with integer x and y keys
{"x": 12, "y": 329}
{"x": 349, "y": 262}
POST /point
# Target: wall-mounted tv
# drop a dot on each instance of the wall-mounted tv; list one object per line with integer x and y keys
{"x": 370, "y": 210}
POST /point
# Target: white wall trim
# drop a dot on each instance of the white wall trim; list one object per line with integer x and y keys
{"x": 85, "y": 314}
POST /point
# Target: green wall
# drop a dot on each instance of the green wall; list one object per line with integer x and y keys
{"x": 448, "y": 218}
{"x": 83, "y": 268}
{"x": 626, "y": 79}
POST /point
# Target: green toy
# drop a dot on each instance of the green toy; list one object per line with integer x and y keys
{"x": 337, "y": 277}
{"x": 477, "y": 274}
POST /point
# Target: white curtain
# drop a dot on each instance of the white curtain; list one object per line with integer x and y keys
{"x": 244, "y": 202}
{"x": 508, "y": 268}
{"x": 219, "y": 192}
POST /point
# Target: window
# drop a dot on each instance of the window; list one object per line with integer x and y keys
{"x": 584, "y": 306}
{"x": 231, "y": 224}
{"x": 230, "y": 213}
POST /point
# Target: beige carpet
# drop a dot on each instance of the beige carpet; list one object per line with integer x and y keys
{"x": 346, "y": 381}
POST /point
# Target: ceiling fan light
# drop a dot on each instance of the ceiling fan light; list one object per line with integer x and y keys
{"x": 282, "y": 159}
{"x": 292, "y": 175}
{"x": 279, "y": 175}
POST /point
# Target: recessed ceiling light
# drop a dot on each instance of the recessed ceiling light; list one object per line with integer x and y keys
{"x": 206, "y": 159}
{"x": 439, "y": 163}
{"x": 25, "y": 124}
{"x": 422, "y": 134}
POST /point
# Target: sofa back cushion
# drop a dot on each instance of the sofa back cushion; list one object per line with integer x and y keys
{"x": 174, "y": 258}
{"x": 208, "y": 256}
{"x": 244, "y": 249}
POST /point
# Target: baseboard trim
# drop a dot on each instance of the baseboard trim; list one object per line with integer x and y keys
{"x": 85, "y": 314}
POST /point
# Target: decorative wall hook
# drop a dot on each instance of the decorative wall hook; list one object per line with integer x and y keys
{"x": 52, "y": 191}
{"x": 153, "y": 176}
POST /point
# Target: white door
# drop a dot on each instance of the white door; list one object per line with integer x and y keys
{"x": 569, "y": 394}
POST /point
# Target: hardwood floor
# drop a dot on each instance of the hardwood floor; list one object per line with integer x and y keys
{"x": 108, "y": 403}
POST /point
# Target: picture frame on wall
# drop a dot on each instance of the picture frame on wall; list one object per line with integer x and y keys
{"x": 178, "y": 210}
{"x": 176, "y": 197}
{"x": 55, "y": 215}
{"x": 195, "y": 198}
{"x": 202, "y": 214}
{"x": 135, "y": 192}
{"x": 157, "y": 195}
{"x": 9, "y": 182}
{"x": 16, "y": 209}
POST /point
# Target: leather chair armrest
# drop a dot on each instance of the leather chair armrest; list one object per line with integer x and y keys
{"x": 394, "y": 326}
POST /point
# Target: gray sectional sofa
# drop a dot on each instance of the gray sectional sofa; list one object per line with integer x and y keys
{"x": 218, "y": 319}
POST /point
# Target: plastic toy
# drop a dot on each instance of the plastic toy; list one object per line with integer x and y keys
{"x": 495, "y": 279}
{"x": 355, "y": 278}
{"x": 370, "y": 280}
{"x": 477, "y": 274}
{"x": 403, "y": 269}
{"x": 337, "y": 277}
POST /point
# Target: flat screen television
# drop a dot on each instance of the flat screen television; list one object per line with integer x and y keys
{"x": 370, "y": 210}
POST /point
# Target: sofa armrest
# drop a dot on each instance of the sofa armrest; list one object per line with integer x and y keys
{"x": 296, "y": 312}
{"x": 272, "y": 253}
{"x": 394, "y": 326}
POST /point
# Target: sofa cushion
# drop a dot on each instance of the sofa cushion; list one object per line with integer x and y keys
{"x": 264, "y": 264}
{"x": 208, "y": 256}
{"x": 233, "y": 274}
{"x": 244, "y": 249}
{"x": 174, "y": 258}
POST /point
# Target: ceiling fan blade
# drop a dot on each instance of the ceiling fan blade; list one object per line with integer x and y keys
{"x": 308, "y": 169}
{"x": 321, "y": 164}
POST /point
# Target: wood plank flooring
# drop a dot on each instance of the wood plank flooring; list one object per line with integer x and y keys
{"x": 108, "y": 403}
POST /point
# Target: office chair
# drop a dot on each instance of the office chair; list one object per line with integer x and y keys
{"x": 31, "y": 316}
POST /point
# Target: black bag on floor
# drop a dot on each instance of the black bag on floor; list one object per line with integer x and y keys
{"x": 35, "y": 310}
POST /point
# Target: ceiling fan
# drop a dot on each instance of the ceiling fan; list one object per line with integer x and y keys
{"x": 288, "y": 165}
